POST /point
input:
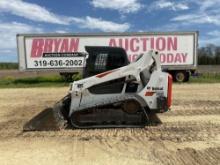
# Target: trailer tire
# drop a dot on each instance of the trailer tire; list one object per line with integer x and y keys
{"x": 181, "y": 76}
{"x": 187, "y": 77}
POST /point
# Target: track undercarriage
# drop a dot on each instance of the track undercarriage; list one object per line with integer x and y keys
{"x": 120, "y": 113}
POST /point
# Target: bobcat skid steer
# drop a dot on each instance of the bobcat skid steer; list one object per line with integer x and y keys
{"x": 122, "y": 97}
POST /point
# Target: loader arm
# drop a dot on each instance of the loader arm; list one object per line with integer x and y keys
{"x": 133, "y": 69}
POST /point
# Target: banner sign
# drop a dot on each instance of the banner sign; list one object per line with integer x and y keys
{"x": 61, "y": 52}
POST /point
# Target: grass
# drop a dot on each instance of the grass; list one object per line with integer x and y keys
{"x": 8, "y": 65}
{"x": 205, "y": 78}
{"x": 41, "y": 81}
{"x": 57, "y": 81}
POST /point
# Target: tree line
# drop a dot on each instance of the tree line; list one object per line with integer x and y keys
{"x": 209, "y": 55}
{"x": 8, "y": 65}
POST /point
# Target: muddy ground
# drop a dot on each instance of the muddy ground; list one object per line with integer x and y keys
{"x": 190, "y": 133}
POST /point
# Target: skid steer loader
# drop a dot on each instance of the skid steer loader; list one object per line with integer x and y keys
{"x": 128, "y": 96}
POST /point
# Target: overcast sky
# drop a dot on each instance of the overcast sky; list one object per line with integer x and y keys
{"x": 43, "y": 16}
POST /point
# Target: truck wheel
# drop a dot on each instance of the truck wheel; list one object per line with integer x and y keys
{"x": 181, "y": 76}
{"x": 187, "y": 75}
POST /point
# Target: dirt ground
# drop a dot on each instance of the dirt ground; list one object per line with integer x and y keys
{"x": 190, "y": 133}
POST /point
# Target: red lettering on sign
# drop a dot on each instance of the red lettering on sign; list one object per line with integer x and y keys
{"x": 172, "y": 43}
{"x": 152, "y": 43}
{"x": 48, "y": 45}
{"x": 169, "y": 58}
{"x": 160, "y": 43}
{"x": 184, "y": 57}
{"x": 144, "y": 41}
{"x": 112, "y": 42}
{"x": 64, "y": 46}
{"x": 74, "y": 45}
{"x": 126, "y": 45}
{"x": 162, "y": 57}
{"x": 57, "y": 44}
{"x": 37, "y": 47}
{"x": 40, "y": 46}
{"x": 132, "y": 57}
{"x": 143, "y": 44}
{"x": 120, "y": 43}
{"x": 133, "y": 45}
{"x": 178, "y": 58}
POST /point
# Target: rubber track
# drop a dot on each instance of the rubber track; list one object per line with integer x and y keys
{"x": 106, "y": 102}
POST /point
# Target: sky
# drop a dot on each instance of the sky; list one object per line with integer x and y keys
{"x": 61, "y": 16}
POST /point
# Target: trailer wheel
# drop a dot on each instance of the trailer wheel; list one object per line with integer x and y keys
{"x": 181, "y": 76}
{"x": 187, "y": 75}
